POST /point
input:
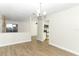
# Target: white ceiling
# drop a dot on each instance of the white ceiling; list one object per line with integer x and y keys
{"x": 21, "y": 9}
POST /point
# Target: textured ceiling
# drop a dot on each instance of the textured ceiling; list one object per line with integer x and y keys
{"x": 22, "y": 9}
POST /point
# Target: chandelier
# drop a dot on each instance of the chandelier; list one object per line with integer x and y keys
{"x": 40, "y": 12}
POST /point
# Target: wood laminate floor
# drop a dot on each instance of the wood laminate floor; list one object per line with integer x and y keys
{"x": 34, "y": 48}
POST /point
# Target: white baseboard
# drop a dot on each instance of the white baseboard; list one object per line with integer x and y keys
{"x": 76, "y": 53}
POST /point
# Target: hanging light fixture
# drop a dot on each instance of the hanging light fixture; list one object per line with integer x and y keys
{"x": 40, "y": 12}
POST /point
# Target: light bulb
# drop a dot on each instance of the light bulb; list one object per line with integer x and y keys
{"x": 38, "y": 12}
{"x": 44, "y": 13}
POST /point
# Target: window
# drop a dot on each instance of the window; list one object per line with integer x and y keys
{"x": 11, "y": 27}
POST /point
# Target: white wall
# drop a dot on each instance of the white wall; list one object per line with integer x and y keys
{"x": 23, "y": 34}
{"x": 33, "y": 26}
{"x": 40, "y": 29}
{"x": 41, "y": 35}
{"x": 64, "y": 29}
{"x": 23, "y": 26}
{"x": 14, "y": 38}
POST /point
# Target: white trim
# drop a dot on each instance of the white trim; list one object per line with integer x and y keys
{"x": 76, "y": 53}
